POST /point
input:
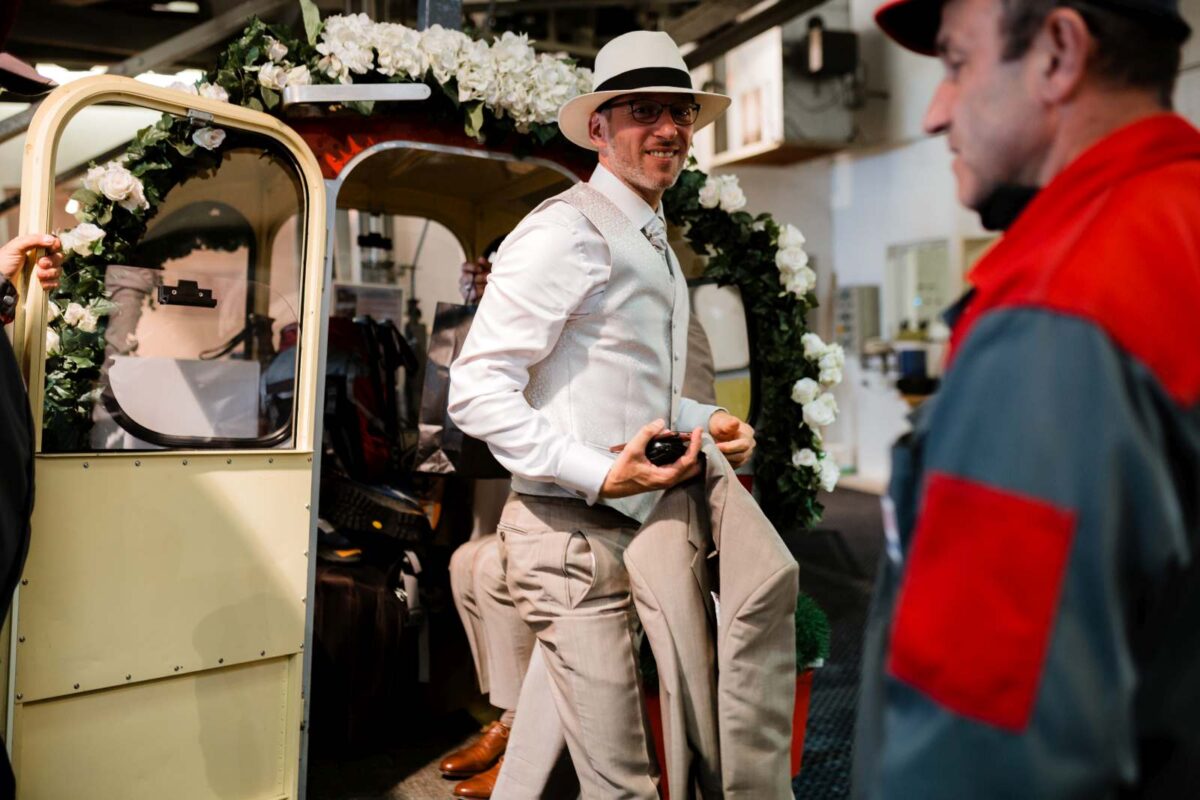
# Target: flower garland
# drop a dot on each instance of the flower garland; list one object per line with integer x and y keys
{"x": 769, "y": 266}
{"x": 496, "y": 89}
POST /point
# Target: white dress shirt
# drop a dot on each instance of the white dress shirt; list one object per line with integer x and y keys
{"x": 553, "y": 267}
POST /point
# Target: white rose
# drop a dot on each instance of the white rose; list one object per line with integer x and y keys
{"x": 821, "y": 412}
{"x": 831, "y": 377}
{"x": 830, "y": 472}
{"x": 214, "y": 91}
{"x": 800, "y": 282}
{"x": 834, "y": 357}
{"x": 276, "y": 49}
{"x": 298, "y": 76}
{"x": 91, "y": 180}
{"x": 273, "y": 76}
{"x": 804, "y": 458}
{"x": 53, "y": 343}
{"x": 186, "y": 88}
{"x": 208, "y": 138}
{"x": 790, "y": 259}
{"x": 805, "y": 390}
{"x": 791, "y": 236}
{"x": 732, "y": 197}
{"x": 88, "y": 321}
{"x": 79, "y": 240}
{"x": 813, "y": 346}
{"x": 119, "y": 185}
{"x": 710, "y": 193}
{"x": 74, "y": 314}
{"x": 136, "y": 198}
{"x": 53, "y": 312}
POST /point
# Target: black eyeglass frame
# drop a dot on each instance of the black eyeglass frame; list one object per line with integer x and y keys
{"x": 693, "y": 107}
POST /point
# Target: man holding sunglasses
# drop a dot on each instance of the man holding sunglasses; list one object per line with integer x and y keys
{"x": 580, "y": 341}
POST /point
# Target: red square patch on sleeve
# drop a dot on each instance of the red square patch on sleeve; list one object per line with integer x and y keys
{"x": 979, "y": 598}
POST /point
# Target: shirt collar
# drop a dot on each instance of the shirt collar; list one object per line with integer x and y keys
{"x": 627, "y": 200}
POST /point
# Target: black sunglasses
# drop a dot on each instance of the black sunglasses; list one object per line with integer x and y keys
{"x": 647, "y": 112}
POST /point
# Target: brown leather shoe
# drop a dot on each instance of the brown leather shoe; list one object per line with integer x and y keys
{"x": 480, "y": 787}
{"x": 478, "y": 756}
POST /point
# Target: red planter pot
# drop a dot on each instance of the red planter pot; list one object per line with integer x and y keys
{"x": 799, "y": 724}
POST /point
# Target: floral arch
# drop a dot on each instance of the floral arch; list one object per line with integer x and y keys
{"x": 498, "y": 90}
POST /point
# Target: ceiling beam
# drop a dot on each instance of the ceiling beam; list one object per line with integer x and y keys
{"x": 165, "y": 54}
{"x": 197, "y": 37}
{"x": 725, "y": 40}
{"x": 520, "y": 6}
{"x": 706, "y": 18}
{"x": 96, "y": 34}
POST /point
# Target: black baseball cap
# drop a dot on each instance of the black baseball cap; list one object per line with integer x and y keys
{"x": 913, "y": 24}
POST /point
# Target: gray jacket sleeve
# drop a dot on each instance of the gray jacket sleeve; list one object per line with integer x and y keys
{"x": 1047, "y": 521}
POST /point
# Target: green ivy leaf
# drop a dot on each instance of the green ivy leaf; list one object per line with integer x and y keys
{"x": 474, "y": 121}
{"x": 312, "y": 20}
{"x": 85, "y": 197}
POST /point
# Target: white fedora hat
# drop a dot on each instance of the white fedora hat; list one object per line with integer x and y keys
{"x": 639, "y": 61}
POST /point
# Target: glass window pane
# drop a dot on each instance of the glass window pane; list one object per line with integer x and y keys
{"x": 185, "y": 337}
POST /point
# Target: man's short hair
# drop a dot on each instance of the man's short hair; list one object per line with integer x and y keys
{"x": 1132, "y": 51}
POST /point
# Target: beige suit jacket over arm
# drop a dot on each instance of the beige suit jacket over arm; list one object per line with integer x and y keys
{"x": 736, "y": 723}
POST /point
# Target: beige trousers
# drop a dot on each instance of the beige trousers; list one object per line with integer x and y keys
{"x": 563, "y": 562}
{"x": 500, "y": 642}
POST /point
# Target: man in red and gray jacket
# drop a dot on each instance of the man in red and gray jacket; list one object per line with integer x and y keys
{"x": 1036, "y": 628}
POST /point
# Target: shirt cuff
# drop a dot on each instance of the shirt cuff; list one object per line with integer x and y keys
{"x": 695, "y": 415}
{"x": 584, "y": 470}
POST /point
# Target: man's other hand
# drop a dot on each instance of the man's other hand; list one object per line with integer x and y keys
{"x": 632, "y": 473}
{"x": 48, "y": 267}
{"x": 734, "y": 438}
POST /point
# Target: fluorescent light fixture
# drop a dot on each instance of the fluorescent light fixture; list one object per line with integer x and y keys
{"x": 186, "y": 76}
{"x": 62, "y": 75}
{"x": 177, "y": 7}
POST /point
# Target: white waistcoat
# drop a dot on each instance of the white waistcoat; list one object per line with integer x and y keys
{"x": 621, "y": 365}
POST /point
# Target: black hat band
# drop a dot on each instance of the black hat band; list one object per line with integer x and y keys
{"x": 636, "y": 79}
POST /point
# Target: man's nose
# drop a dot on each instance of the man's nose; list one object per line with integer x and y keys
{"x": 666, "y": 128}
{"x": 941, "y": 106}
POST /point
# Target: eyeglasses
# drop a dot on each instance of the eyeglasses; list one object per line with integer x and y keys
{"x": 647, "y": 112}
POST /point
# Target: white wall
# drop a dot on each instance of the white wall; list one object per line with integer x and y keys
{"x": 893, "y": 187}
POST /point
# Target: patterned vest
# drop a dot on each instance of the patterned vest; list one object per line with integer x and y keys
{"x": 620, "y": 365}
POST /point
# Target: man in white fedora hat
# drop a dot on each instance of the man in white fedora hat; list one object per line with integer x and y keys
{"x": 580, "y": 344}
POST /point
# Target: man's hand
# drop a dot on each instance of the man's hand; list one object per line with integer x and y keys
{"x": 734, "y": 438}
{"x": 632, "y": 473}
{"x": 47, "y": 269}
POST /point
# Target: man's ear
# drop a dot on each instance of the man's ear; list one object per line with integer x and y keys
{"x": 1064, "y": 46}
{"x": 597, "y": 130}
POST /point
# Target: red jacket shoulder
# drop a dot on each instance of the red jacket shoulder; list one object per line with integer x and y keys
{"x": 1134, "y": 270}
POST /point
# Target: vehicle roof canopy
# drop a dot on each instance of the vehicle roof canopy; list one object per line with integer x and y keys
{"x": 417, "y": 167}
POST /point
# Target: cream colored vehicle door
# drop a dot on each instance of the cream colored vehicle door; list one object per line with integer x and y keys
{"x": 156, "y": 643}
